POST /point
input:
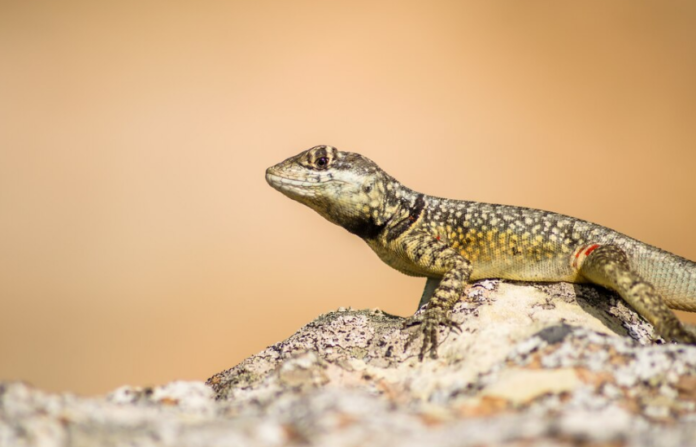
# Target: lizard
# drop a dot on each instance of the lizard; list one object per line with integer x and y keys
{"x": 453, "y": 242}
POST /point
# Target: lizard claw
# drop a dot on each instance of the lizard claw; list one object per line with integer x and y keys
{"x": 429, "y": 322}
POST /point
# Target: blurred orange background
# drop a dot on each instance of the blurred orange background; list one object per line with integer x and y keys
{"x": 139, "y": 242}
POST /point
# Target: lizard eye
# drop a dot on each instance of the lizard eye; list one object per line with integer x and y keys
{"x": 322, "y": 162}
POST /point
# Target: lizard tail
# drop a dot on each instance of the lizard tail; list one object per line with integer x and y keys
{"x": 673, "y": 277}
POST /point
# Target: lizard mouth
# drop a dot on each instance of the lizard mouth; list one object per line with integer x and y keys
{"x": 280, "y": 181}
{"x": 291, "y": 187}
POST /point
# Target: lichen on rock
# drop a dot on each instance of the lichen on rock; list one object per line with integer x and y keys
{"x": 553, "y": 364}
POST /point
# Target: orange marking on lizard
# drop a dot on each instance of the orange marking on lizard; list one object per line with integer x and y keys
{"x": 590, "y": 249}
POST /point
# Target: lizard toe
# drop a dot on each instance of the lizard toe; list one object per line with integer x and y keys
{"x": 681, "y": 335}
{"x": 429, "y": 321}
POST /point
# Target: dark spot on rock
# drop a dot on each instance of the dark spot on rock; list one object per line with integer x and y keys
{"x": 555, "y": 334}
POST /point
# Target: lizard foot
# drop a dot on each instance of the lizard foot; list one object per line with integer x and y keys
{"x": 429, "y": 322}
{"x": 679, "y": 334}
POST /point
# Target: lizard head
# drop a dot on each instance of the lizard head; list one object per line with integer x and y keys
{"x": 346, "y": 188}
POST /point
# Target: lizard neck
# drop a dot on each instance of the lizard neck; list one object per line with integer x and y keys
{"x": 391, "y": 201}
{"x": 400, "y": 209}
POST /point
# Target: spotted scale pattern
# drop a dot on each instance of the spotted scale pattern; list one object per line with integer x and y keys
{"x": 452, "y": 242}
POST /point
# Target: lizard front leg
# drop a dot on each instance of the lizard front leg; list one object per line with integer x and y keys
{"x": 430, "y": 287}
{"x": 438, "y": 259}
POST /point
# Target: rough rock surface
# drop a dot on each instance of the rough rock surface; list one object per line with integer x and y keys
{"x": 534, "y": 365}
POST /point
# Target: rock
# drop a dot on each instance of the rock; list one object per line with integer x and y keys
{"x": 553, "y": 364}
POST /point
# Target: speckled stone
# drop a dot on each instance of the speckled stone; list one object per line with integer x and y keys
{"x": 522, "y": 372}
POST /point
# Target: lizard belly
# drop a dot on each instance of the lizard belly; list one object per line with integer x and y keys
{"x": 547, "y": 270}
{"x": 517, "y": 268}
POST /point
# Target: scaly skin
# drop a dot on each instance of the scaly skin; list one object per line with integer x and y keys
{"x": 452, "y": 242}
